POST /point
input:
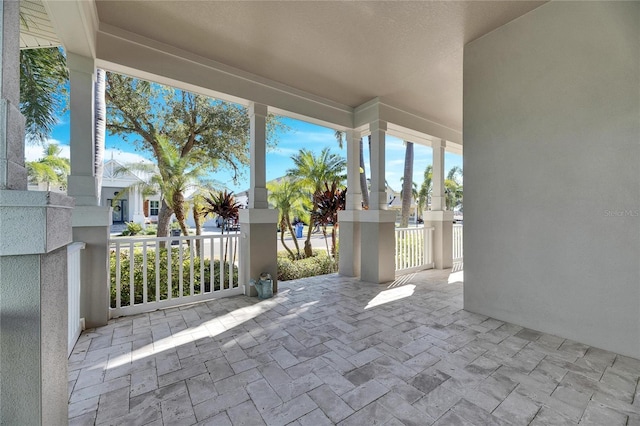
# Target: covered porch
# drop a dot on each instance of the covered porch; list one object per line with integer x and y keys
{"x": 334, "y": 350}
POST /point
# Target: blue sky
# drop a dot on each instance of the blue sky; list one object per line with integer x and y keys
{"x": 301, "y": 135}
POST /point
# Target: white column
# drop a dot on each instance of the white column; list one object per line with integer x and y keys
{"x": 438, "y": 200}
{"x": 258, "y": 157}
{"x": 377, "y": 225}
{"x": 354, "y": 192}
{"x": 349, "y": 219}
{"x": 35, "y": 227}
{"x": 438, "y": 218}
{"x": 378, "y": 197}
{"x": 90, "y": 222}
{"x": 258, "y": 243}
{"x": 82, "y": 181}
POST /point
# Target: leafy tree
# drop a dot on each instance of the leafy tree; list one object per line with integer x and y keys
{"x": 312, "y": 172}
{"x": 223, "y": 204}
{"x": 453, "y": 188}
{"x": 43, "y": 92}
{"x": 290, "y": 200}
{"x": 213, "y": 133}
{"x": 50, "y": 169}
{"x": 327, "y": 203}
{"x": 406, "y": 184}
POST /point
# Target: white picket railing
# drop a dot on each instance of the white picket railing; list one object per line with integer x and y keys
{"x": 457, "y": 243}
{"x": 414, "y": 249}
{"x": 74, "y": 280}
{"x": 188, "y": 269}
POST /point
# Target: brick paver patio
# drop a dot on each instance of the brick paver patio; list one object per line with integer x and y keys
{"x": 331, "y": 350}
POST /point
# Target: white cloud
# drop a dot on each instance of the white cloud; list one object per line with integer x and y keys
{"x": 36, "y": 152}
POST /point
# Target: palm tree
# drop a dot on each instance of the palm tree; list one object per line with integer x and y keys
{"x": 311, "y": 172}
{"x": 424, "y": 194}
{"x": 43, "y": 93}
{"x": 290, "y": 200}
{"x": 329, "y": 202}
{"x": 100, "y": 127}
{"x": 223, "y": 204}
{"x": 50, "y": 169}
{"x": 407, "y": 181}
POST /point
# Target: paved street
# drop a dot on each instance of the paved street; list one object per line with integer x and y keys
{"x": 332, "y": 350}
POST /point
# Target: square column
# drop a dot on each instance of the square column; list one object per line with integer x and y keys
{"x": 258, "y": 157}
{"x": 35, "y": 228}
{"x": 378, "y": 197}
{"x": 377, "y": 225}
{"x": 438, "y": 217}
{"x": 348, "y": 219}
{"x": 258, "y": 223}
{"x": 91, "y": 222}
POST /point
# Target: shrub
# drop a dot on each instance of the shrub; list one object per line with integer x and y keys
{"x": 318, "y": 264}
{"x": 125, "y": 266}
{"x": 151, "y": 230}
{"x": 132, "y": 229}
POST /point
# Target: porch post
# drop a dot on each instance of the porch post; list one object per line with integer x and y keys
{"x": 91, "y": 222}
{"x": 35, "y": 228}
{"x": 377, "y": 225}
{"x": 438, "y": 217}
{"x": 349, "y": 219}
{"x": 258, "y": 243}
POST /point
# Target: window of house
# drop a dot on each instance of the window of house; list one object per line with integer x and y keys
{"x": 154, "y": 206}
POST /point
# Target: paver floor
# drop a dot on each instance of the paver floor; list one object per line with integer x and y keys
{"x": 332, "y": 350}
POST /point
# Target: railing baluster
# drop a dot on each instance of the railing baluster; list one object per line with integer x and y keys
{"x": 118, "y": 277}
{"x": 132, "y": 268}
{"x": 212, "y": 268}
{"x": 192, "y": 259}
{"x": 157, "y": 256}
{"x": 180, "y": 268}
{"x": 144, "y": 273}
{"x": 169, "y": 280}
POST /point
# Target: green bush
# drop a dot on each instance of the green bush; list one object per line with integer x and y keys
{"x": 151, "y": 230}
{"x": 132, "y": 229}
{"x": 318, "y": 264}
{"x": 125, "y": 266}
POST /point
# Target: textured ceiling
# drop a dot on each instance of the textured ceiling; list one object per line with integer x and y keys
{"x": 410, "y": 53}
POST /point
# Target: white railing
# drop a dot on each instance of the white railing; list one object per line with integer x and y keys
{"x": 74, "y": 280}
{"x": 414, "y": 249}
{"x": 457, "y": 243}
{"x": 170, "y": 271}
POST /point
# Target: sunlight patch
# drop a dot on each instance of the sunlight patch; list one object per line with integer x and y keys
{"x": 456, "y": 277}
{"x": 391, "y": 295}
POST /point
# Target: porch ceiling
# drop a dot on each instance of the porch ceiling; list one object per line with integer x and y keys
{"x": 409, "y": 53}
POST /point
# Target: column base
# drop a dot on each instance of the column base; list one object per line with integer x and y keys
{"x": 377, "y": 246}
{"x": 258, "y": 247}
{"x": 349, "y": 243}
{"x": 91, "y": 225}
{"x": 442, "y": 222}
{"x": 35, "y": 228}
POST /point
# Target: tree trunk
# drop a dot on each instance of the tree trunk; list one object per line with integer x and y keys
{"x": 295, "y": 239}
{"x": 198, "y": 223}
{"x": 282, "y": 227}
{"x": 308, "y": 252}
{"x": 164, "y": 219}
{"x": 407, "y": 185}
{"x": 363, "y": 177}
{"x": 178, "y": 209}
{"x": 100, "y": 128}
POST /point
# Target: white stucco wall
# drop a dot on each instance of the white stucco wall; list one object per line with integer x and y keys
{"x": 552, "y": 189}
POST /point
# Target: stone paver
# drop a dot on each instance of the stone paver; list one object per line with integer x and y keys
{"x": 318, "y": 353}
